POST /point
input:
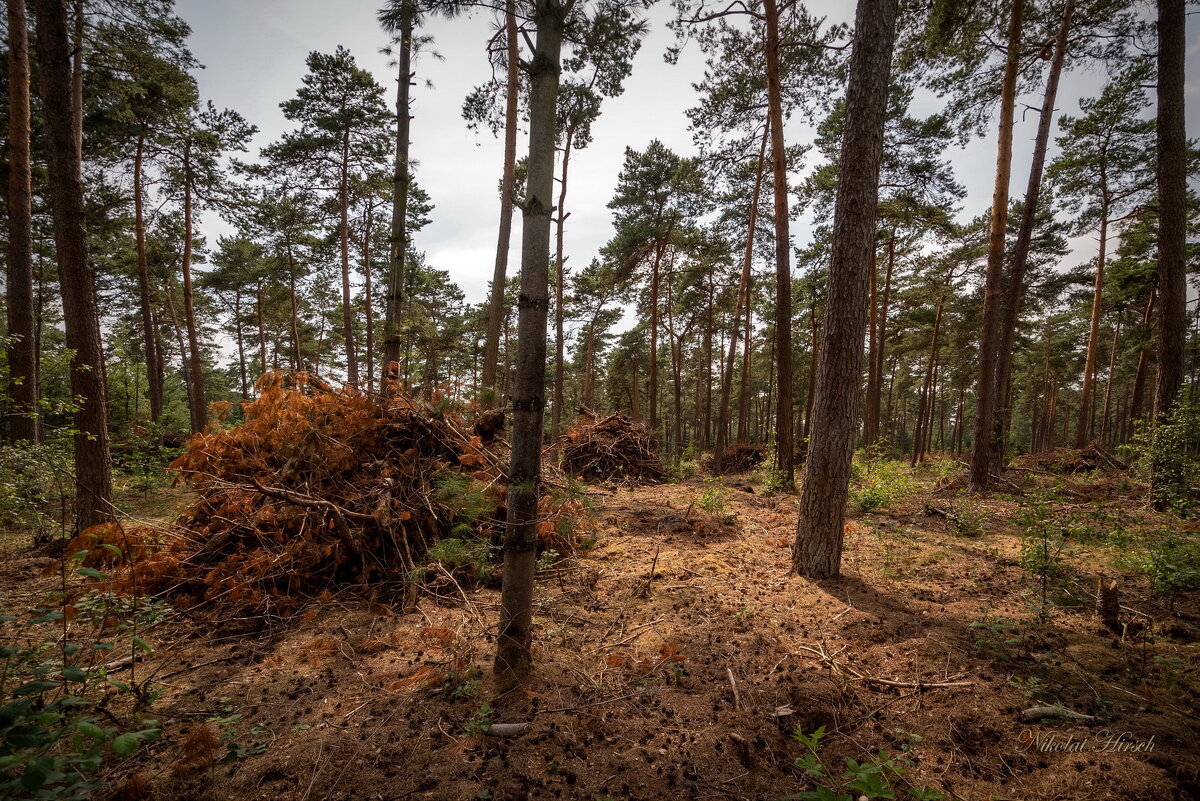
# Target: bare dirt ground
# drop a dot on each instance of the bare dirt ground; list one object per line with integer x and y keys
{"x": 676, "y": 657}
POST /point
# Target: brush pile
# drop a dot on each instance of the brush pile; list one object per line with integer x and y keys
{"x": 321, "y": 490}
{"x": 741, "y": 457}
{"x": 613, "y": 449}
{"x": 1075, "y": 460}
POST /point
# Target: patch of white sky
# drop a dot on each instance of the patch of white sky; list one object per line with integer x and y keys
{"x": 254, "y": 53}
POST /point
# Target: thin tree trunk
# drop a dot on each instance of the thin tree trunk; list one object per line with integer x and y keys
{"x": 241, "y": 347}
{"x": 295, "y": 319}
{"x": 368, "y": 300}
{"x": 652, "y": 388}
{"x": 876, "y": 365}
{"x": 559, "y": 275}
{"x": 93, "y": 465}
{"x": 24, "y": 420}
{"x": 1015, "y": 291}
{"x": 344, "y": 246}
{"x": 79, "y": 20}
{"x": 496, "y": 310}
{"x": 784, "y": 436}
{"x": 745, "y": 390}
{"x": 154, "y": 366}
{"x": 401, "y": 179}
{"x": 1137, "y": 402}
{"x": 635, "y": 396}
{"x": 985, "y": 400}
{"x": 818, "y": 549}
{"x": 514, "y": 637}
{"x": 871, "y": 404}
{"x": 813, "y": 363}
{"x": 1108, "y": 383}
{"x": 1083, "y": 428}
{"x": 199, "y": 411}
{"x": 262, "y": 332}
{"x": 925, "y": 409}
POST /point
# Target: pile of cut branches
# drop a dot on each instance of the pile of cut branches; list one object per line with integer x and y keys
{"x": 322, "y": 489}
{"x": 1075, "y": 460}
{"x": 612, "y": 448}
{"x": 741, "y": 457}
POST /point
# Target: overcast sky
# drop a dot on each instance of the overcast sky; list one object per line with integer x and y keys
{"x": 254, "y": 53}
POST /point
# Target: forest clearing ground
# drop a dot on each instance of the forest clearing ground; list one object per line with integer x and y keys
{"x": 675, "y": 658}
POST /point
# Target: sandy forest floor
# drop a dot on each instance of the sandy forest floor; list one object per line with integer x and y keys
{"x": 676, "y": 657}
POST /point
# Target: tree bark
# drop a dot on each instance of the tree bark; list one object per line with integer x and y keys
{"x": 93, "y": 465}
{"x": 1172, "y": 204}
{"x": 1015, "y": 291}
{"x": 985, "y": 400}
{"x": 24, "y": 421}
{"x": 514, "y": 638}
{"x": 199, "y": 410}
{"x": 401, "y": 179}
{"x": 560, "y": 220}
{"x": 496, "y": 310}
{"x": 368, "y": 300}
{"x": 1083, "y": 426}
{"x": 344, "y": 243}
{"x": 154, "y": 366}
{"x": 818, "y": 548}
{"x": 785, "y": 446}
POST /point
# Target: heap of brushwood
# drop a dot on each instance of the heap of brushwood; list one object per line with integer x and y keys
{"x": 611, "y": 449}
{"x": 1088, "y": 459}
{"x": 740, "y": 457}
{"x": 321, "y": 490}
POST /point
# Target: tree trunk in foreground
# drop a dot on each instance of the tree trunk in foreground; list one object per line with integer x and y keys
{"x": 818, "y": 549}
{"x": 1172, "y": 191}
{"x": 23, "y": 424}
{"x": 93, "y": 465}
{"x": 491, "y": 351}
{"x": 985, "y": 400}
{"x": 785, "y": 447}
{"x": 514, "y": 640}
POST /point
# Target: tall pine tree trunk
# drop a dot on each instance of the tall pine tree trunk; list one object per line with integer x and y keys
{"x": 784, "y": 440}
{"x": 344, "y": 246}
{"x": 241, "y": 346}
{"x": 1110, "y": 380}
{"x": 1172, "y": 201}
{"x": 24, "y": 423}
{"x": 514, "y": 638}
{"x": 560, "y": 220}
{"x": 93, "y": 464}
{"x": 496, "y": 310}
{"x": 1015, "y": 291}
{"x": 401, "y": 179}
{"x": 154, "y": 366}
{"x": 1083, "y": 427}
{"x": 987, "y": 389}
{"x": 199, "y": 410}
{"x": 818, "y": 549}
{"x": 1137, "y": 402}
{"x": 368, "y": 300}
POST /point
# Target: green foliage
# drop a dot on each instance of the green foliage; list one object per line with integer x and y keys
{"x": 877, "y": 482}
{"x": 775, "y": 483}
{"x": 996, "y": 638}
{"x": 34, "y": 479}
{"x": 1172, "y": 565}
{"x": 872, "y": 779}
{"x": 464, "y": 497}
{"x": 471, "y": 557}
{"x": 713, "y": 498}
{"x": 54, "y": 734}
{"x": 1044, "y": 539}
{"x": 1169, "y": 459}
{"x": 124, "y": 611}
{"x": 482, "y": 720}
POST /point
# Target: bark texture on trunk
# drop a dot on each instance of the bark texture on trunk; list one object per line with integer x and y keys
{"x": 1172, "y": 195}
{"x": 784, "y": 440}
{"x": 514, "y": 638}
{"x": 93, "y": 465}
{"x": 496, "y": 310}
{"x": 1083, "y": 427}
{"x": 987, "y": 390}
{"x": 23, "y": 423}
{"x": 1015, "y": 291}
{"x": 818, "y": 548}
{"x": 401, "y": 179}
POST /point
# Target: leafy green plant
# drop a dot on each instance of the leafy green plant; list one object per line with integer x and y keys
{"x": 469, "y": 557}
{"x": 996, "y": 638}
{"x": 36, "y": 480}
{"x": 1043, "y": 541}
{"x": 877, "y": 482}
{"x": 713, "y": 498}
{"x": 1168, "y": 458}
{"x": 1172, "y": 565}
{"x": 54, "y": 733}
